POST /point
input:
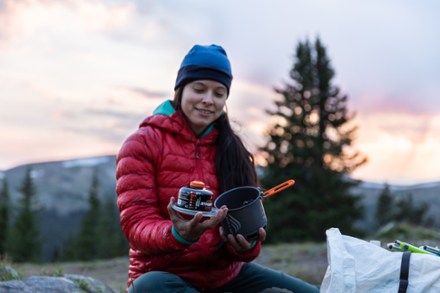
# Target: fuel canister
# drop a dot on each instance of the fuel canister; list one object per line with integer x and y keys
{"x": 195, "y": 197}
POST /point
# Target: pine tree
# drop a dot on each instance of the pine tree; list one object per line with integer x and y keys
{"x": 87, "y": 242}
{"x": 69, "y": 250}
{"x": 24, "y": 243}
{"x": 106, "y": 229}
{"x": 311, "y": 143}
{"x": 113, "y": 242}
{"x": 4, "y": 216}
{"x": 407, "y": 211}
{"x": 385, "y": 207}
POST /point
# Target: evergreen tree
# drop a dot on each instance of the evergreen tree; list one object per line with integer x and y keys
{"x": 87, "y": 242}
{"x": 24, "y": 242}
{"x": 113, "y": 242}
{"x": 407, "y": 211}
{"x": 384, "y": 207}
{"x": 4, "y": 216}
{"x": 107, "y": 231}
{"x": 69, "y": 251}
{"x": 311, "y": 143}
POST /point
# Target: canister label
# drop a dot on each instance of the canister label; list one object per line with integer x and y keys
{"x": 195, "y": 199}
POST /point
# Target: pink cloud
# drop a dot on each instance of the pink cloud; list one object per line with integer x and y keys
{"x": 380, "y": 102}
{"x": 21, "y": 19}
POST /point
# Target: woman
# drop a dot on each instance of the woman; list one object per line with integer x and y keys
{"x": 188, "y": 139}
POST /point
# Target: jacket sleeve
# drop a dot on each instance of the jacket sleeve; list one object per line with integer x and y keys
{"x": 145, "y": 227}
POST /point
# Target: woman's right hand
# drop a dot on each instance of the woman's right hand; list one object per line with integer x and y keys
{"x": 191, "y": 230}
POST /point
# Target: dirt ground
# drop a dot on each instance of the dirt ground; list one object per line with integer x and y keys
{"x": 305, "y": 261}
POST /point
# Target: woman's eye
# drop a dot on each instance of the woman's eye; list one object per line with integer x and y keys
{"x": 198, "y": 90}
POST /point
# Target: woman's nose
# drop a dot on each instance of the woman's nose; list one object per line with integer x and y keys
{"x": 208, "y": 98}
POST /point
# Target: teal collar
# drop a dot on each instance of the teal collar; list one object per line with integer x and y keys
{"x": 167, "y": 109}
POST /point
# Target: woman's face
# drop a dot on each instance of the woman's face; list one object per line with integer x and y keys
{"x": 203, "y": 102}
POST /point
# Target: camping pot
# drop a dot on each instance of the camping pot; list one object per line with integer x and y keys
{"x": 246, "y": 213}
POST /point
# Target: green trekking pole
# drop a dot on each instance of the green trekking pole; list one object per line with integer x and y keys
{"x": 406, "y": 246}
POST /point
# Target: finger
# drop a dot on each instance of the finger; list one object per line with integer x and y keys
{"x": 219, "y": 216}
{"x": 242, "y": 241}
{"x": 216, "y": 219}
{"x": 170, "y": 209}
{"x": 196, "y": 219}
{"x": 170, "y": 204}
{"x": 174, "y": 216}
{"x": 262, "y": 234}
{"x": 233, "y": 242}
{"x": 221, "y": 231}
{"x": 222, "y": 213}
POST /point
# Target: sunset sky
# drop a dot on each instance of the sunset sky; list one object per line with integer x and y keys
{"x": 77, "y": 77}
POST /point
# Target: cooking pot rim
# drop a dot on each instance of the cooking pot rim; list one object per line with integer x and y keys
{"x": 258, "y": 189}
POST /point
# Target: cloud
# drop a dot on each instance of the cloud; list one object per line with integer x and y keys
{"x": 149, "y": 94}
{"x": 84, "y": 71}
{"x": 399, "y": 145}
{"x": 24, "y": 18}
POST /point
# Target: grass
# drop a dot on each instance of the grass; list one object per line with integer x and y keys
{"x": 112, "y": 272}
{"x": 307, "y": 261}
{"x": 7, "y": 272}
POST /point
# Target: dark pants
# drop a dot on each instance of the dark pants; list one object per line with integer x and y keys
{"x": 253, "y": 278}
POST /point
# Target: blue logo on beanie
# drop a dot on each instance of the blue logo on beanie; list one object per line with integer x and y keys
{"x": 205, "y": 62}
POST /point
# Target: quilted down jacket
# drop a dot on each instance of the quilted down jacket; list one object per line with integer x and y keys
{"x": 153, "y": 163}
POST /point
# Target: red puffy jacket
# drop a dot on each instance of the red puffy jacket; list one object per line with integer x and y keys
{"x": 153, "y": 163}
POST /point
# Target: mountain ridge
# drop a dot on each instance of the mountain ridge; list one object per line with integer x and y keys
{"x": 95, "y": 160}
{"x": 62, "y": 189}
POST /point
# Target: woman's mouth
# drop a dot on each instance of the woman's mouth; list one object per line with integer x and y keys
{"x": 204, "y": 111}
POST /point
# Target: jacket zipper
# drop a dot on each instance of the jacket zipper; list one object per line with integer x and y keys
{"x": 198, "y": 149}
{"x": 197, "y": 161}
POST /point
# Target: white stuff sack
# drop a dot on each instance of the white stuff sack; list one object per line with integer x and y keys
{"x": 357, "y": 266}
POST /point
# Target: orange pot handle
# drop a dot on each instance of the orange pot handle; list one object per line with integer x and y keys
{"x": 278, "y": 188}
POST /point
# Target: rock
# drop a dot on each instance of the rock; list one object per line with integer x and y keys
{"x": 64, "y": 284}
{"x": 8, "y": 273}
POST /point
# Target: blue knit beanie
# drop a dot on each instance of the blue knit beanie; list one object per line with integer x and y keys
{"x": 205, "y": 62}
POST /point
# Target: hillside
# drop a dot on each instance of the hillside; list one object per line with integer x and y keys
{"x": 62, "y": 191}
{"x": 62, "y": 194}
{"x": 427, "y": 192}
{"x": 62, "y": 186}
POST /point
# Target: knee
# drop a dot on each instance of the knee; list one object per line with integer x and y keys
{"x": 156, "y": 282}
{"x": 149, "y": 282}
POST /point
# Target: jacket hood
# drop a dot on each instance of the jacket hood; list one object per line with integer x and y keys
{"x": 166, "y": 118}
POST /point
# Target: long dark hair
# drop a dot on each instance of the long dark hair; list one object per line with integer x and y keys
{"x": 234, "y": 164}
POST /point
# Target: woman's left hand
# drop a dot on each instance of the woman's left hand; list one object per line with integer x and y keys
{"x": 239, "y": 242}
{"x": 191, "y": 230}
